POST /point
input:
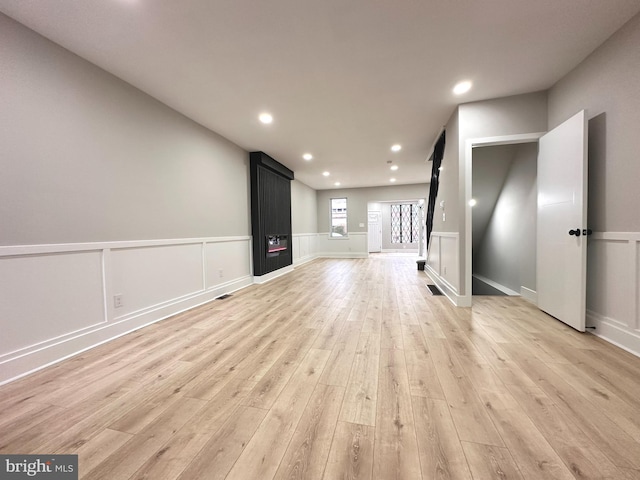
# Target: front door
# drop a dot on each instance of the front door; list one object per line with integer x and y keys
{"x": 375, "y": 232}
{"x": 562, "y": 222}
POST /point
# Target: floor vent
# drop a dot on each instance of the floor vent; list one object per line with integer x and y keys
{"x": 434, "y": 290}
{"x": 222, "y": 297}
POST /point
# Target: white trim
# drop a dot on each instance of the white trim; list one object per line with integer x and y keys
{"x": 620, "y": 236}
{"x": 267, "y": 277}
{"x": 529, "y": 295}
{"x": 415, "y": 251}
{"x": 343, "y": 255}
{"x": 447, "y": 289}
{"x": 614, "y": 332}
{"x": 18, "y": 250}
{"x": 497, "y": 286}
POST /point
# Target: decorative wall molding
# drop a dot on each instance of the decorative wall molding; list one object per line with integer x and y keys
{"x": 304, "y": 247}
{"x": 613, "y": 288}
{"x": 355, "y": 245}
{"x": 58, "y": 300}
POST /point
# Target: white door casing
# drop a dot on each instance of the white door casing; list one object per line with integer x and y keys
{"x": 561, "y": 269}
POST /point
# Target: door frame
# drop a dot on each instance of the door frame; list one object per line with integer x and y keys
{"x": 466, "y": 249}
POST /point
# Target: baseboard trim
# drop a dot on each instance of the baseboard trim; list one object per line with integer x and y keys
{"x": 614, "y": 332}
{"x": 447, "y": 289}
{"x": 267, "y": 277}
{"x": 529, "y": 295}
{"x": 497, "y": 286}
{"x": 23, "y": 363}
{"x": 302, "y": 260}
{"x": 343, "y": 255}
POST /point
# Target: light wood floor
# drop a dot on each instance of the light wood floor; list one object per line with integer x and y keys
{"x": 343, "y": 369}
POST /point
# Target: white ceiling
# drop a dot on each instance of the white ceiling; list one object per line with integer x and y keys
{"x": 344, "y": 79}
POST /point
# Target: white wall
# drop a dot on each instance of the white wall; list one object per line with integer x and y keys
{"x": 104, "y": 191}
{"x": 606, "y": 84}
{"x": 506, "y": 254}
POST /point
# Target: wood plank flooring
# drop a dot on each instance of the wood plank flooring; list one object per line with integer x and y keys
{"x": 343, "y": 369}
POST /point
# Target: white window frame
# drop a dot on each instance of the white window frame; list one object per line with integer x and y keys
{"x": 331, "y": 219}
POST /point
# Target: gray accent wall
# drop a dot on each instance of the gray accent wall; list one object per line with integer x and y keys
{"x": 304, "y": 208}
{"x": 359, "y": 198}
{"x": 86, "y": 157}
{"x": 607, "y": 85}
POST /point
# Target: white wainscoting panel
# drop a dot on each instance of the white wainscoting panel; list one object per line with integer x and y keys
{"x": 442, "y": 264}
{"x": 57, "y": 300}
{"x": 146, "y": 277}
{"x": 230, "y": 256}
{"x": 613, "y": 288}
{"x": 353, "y": 246}
{"x": 304, "y": 247}
{"x": 433, "y": 254}
{"x": 48, "y": 296}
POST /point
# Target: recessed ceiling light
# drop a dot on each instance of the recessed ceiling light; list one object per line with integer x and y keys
{"x": 337, "y": 184}
{"x": 473, "y": 202}
{"x": 307, "y": 156}
{"x": 394, "y": 167}
{"x": 326, "y": 174}
{"x": 396, "y": 148}
{"x": 392, "y": 180}
{"x": 462, "y": 87}
{"x": 266, "y": 118}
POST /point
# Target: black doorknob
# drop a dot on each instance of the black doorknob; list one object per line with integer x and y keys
{"x": 575, "y": 232}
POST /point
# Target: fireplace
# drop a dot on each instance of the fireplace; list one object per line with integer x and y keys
{"x": 276, "y": 245}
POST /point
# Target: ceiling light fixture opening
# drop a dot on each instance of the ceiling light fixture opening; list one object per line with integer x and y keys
{"x": 473, "y": 202}
{"x": 462, "y": 87}
{"x": 394, "y": 168}
{"x": 326, "y": 174}
{"x": 337, "y": 184}
{"x": 396, "y": 148}
{"x": 307, "y": 156}
{"x": 392, "y": 180}
{"x": 265, "y": 118}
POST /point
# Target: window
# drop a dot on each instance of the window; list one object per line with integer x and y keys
{"x": 405, "y": 223}
{"x": 338, "y": 217}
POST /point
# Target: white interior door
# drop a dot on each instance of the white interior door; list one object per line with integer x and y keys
{"x": 562, "y": 208}
{"x": 375, "y": 232}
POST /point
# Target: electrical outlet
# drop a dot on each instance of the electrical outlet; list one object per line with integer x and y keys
{"x": 117, "y": 300}
{"x": 220, "y": 273}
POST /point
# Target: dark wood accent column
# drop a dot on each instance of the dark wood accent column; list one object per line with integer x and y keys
{"x": 270, "y": 212}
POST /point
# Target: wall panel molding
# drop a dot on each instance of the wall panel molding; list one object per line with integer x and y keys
{"x": 355, "y": 245}
{"x": 613, "y": 288}
{"x": 304, "y": 247}
{"x": 65, "y": 292}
